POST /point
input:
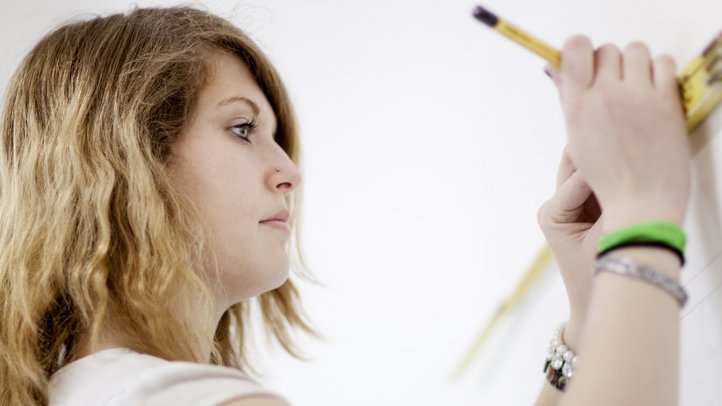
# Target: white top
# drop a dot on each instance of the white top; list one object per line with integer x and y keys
{"x": 120, "y": 376}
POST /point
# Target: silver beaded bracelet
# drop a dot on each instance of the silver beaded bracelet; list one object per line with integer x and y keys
{"x": 627, "y": 267}
{"x": 560, "y": 361}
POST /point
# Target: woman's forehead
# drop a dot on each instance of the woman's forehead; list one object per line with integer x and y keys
{"x": 232, "y": 83}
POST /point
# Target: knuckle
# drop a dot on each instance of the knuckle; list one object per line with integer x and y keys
{"x": 565, "y": 152}
{"x": 542, "y": 214}
{"x": 610, "y": 96}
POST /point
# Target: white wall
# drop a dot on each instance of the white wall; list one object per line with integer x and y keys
{"x": 429, "y": 142}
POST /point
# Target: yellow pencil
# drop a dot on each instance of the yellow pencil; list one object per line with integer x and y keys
{"x": 701, "y": 83}
{"x": 518, "y": 35}
{"x": 699, "y": 94}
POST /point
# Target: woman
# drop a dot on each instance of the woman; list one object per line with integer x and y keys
{"x": 148, "y": 187}
{"x": 120, "y": 134}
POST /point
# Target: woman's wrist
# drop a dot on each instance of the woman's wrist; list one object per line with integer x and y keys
{"x": 628, "y": 211}
{"x": 573, "y": 332}
{"x": 663, "y": 260}
{"x": 660, "y": 259}
{"x": 618, "y": 219}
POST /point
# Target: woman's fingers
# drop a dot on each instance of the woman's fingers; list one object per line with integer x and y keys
{"x": 566, "y": 168}
{"x": 664, "y": 75}
{"x": 567, "y": 204}
{"x": 637, "y": 63}
{"x": 577, "y": 68}
{"x": 572, "y": 194}
{"x": 608, "y": 64}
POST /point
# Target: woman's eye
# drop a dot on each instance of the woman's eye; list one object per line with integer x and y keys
{"x": 244, "y": 130}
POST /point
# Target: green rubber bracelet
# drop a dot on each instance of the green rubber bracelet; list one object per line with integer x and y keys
{"x": 653, "y": 231}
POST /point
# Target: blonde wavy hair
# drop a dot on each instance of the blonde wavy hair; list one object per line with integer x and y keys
{"x": 92, "y": 227}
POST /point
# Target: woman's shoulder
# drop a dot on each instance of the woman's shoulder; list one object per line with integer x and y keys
{"x": 123, "y": 377}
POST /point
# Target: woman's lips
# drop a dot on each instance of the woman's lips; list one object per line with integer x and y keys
{"x": 281, "y": 225}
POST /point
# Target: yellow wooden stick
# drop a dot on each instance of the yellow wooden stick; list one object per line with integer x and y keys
{"x": 706, "y": 103}
{"x": 540, "y": 262}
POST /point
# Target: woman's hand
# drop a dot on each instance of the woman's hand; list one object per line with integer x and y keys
{"x": 571, "y": 224}
{"x": 627, "y": 157}
{"x": 626, "y": 130}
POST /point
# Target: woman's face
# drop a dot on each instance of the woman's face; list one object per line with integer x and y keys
{"x": 228, "y": 162}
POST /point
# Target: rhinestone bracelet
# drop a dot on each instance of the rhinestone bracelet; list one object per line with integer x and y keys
{"x": 560, "y": 361}
{"x": 627, "y": 267}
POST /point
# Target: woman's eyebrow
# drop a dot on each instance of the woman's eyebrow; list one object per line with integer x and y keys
{"x": 240, "y": 99}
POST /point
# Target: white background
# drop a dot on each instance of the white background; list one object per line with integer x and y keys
{"x": 429, "y": 143}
